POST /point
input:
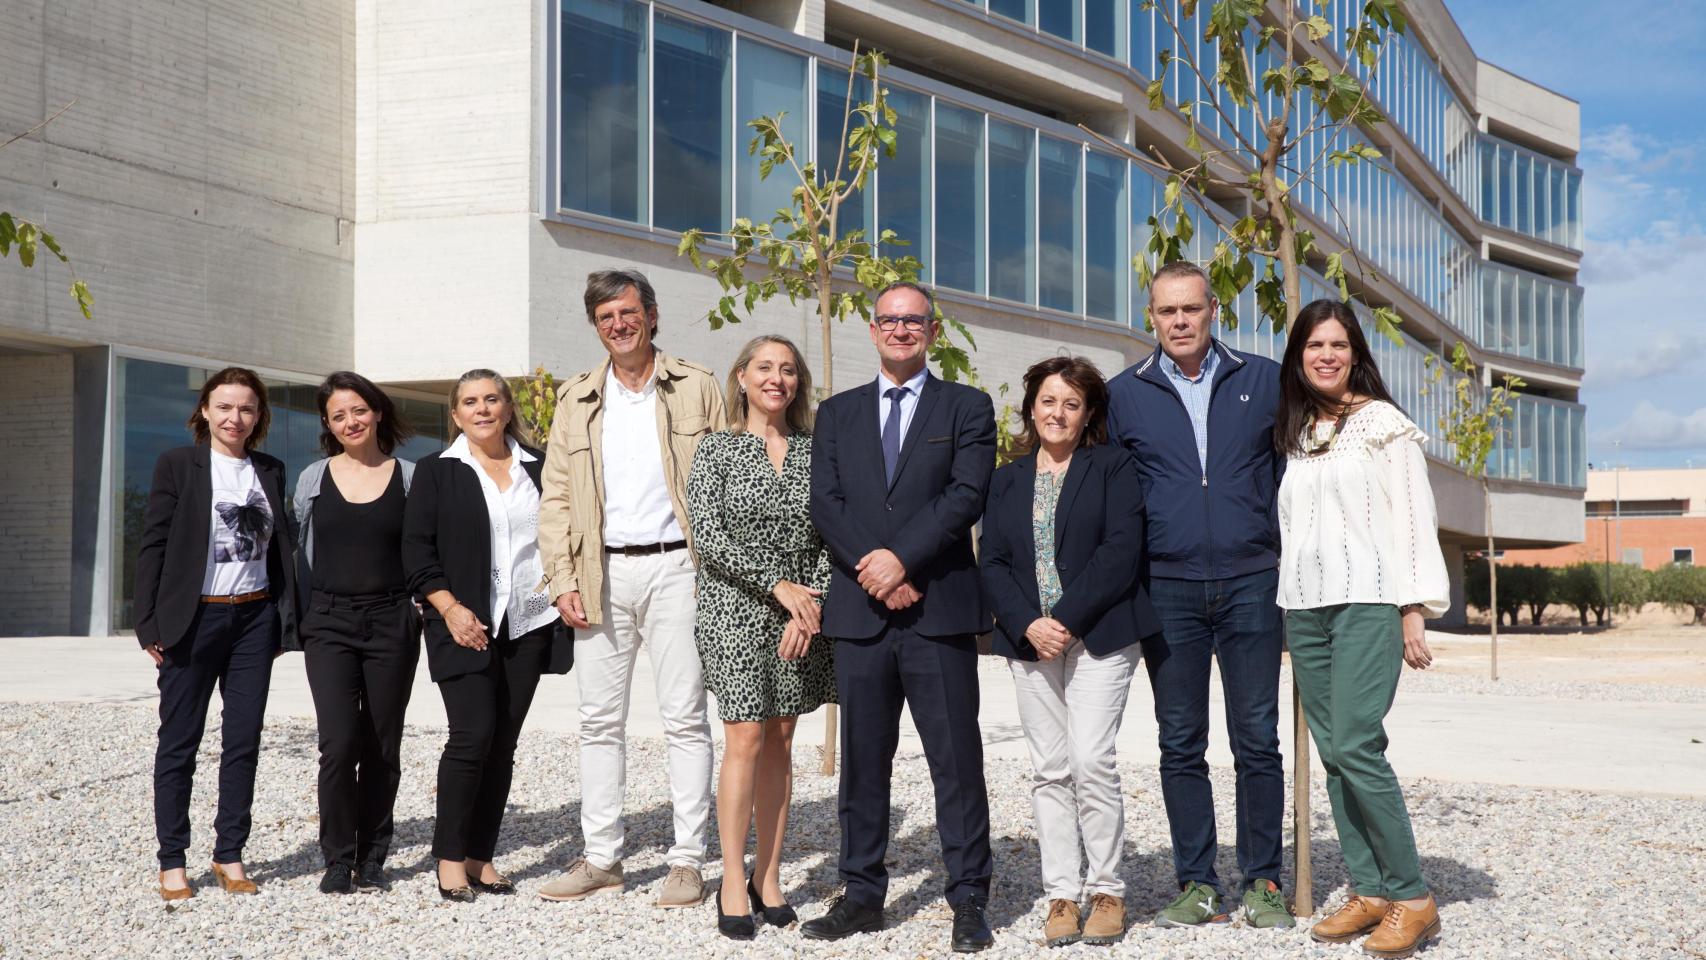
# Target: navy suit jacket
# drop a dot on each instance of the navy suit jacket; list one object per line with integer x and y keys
{"x": 1099, "y": 551}
{"x": 925, "y": 517}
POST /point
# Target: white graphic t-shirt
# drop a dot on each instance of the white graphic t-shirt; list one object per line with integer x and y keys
{"x": 242, "y": 526}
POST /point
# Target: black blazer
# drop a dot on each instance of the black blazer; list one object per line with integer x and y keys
{"x": 172, "y": 559}
{"x": 1099, "y": 549}
{"x": 447, "y": 545}
{"x": 925, "y": 517}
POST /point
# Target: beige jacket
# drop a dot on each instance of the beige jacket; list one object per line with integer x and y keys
{"x": 571, "y": 507}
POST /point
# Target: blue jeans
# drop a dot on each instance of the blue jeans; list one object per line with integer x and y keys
{"x": 1237, "y": 622}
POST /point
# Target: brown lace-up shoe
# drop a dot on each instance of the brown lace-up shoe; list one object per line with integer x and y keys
{"x": 1106, "y": 923}
{"x": 1355, "y": 918}
{"x": 1061, "y": 927}
{"x": 1403, "y": 931}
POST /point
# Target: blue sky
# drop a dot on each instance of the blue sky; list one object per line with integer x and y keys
{"x": 1639, "y": 72}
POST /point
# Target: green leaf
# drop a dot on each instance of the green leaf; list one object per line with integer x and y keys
{"x": 85, "y": 302}
{"x": 1386, "y": 320}
{"x": 27, "y": 232}
{"x": 1193, "y": 142}
{"x": 1318, "y": 27}
{"x": 1157, "y": 99}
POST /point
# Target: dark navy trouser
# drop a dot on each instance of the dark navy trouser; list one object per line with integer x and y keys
{"x": 1236, "y": 622}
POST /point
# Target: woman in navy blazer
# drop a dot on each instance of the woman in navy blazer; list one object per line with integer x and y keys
{"x": 1062, "y": 558}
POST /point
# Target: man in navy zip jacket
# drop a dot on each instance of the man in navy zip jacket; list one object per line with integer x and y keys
{"x": 1199, "y": 419}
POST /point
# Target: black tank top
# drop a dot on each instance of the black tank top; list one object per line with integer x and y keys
{"x": 358, "y": 547}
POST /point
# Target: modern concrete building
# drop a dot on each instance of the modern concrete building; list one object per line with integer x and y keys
{"x": 412, "y": 189}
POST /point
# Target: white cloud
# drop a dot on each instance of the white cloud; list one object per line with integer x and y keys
{"x": 1650, "y": 428}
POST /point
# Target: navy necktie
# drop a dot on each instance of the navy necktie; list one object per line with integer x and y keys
{"x": 891, "y": 431}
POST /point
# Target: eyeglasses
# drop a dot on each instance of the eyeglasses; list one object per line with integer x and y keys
{"x": 624, "y": 317}
{"x": 913, "y": 322}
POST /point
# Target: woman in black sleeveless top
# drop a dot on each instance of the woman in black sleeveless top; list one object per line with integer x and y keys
{"x": 361, "y": 630}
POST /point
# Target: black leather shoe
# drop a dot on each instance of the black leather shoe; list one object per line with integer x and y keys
{"x": 971, "y": 931}
{"x": 338, "y": 879}
{"x": 502, "y": 886}
{"x": 735, "y": 926}
{"x": 775, "y": 916}
{"x": 844, "y": 919}
{"x": 458, "y": 894}
{"x": 370, "y": 878}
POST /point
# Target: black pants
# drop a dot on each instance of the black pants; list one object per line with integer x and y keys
{"x": 936, "y": 677}
{"x": 360, "y": 654}
{"x": 485, "y": 710}
{"x": 230, "y": 646}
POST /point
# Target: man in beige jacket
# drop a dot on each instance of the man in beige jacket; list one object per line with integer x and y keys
{"x": 613, "y": 533}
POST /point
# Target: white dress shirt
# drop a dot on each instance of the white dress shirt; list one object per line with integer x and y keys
{"x": 1357, "y": 522}
{"x": 637, "y": 508}
{"x": 517, "y": 572}
{"x": 908, "y": 401}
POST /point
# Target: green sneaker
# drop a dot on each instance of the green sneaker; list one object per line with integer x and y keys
{"x": 1265, "y": 908}
{"x": 1197, "y": 904}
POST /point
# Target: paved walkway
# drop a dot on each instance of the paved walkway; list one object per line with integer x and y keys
{"x": 1599, "y": 745}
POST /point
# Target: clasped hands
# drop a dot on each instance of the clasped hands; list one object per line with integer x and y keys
{"x": 883, "y": 576}
{"x": 1049, "y": 637}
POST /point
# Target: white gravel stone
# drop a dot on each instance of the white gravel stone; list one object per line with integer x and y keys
{"x": 1519, "y": 872}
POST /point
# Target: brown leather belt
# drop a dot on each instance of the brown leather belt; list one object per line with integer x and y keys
{"x": 237, "y": 598}
{"x": 643, "y": 549}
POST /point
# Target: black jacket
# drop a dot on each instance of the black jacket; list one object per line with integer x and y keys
{"x": 447, "y": 545}
{"x": 925, "y": 517}
{"x": 1099, "y": 550}
{"x": 172, "y": 559}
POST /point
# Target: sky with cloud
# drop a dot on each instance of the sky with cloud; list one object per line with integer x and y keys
{"x": 1639, "y": 72}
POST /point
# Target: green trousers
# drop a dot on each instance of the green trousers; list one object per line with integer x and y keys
{"x": 1345, "y": 660}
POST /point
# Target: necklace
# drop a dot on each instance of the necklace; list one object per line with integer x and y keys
{"x": 1311, "y": 448}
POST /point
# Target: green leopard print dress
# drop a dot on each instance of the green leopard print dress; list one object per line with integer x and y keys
{"x": 752, "y": 527}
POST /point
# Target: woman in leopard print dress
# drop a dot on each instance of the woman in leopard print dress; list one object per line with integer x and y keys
{"x": 762, "y": 573}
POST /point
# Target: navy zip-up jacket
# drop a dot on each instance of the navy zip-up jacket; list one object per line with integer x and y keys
{"x": 1211, "y": 524}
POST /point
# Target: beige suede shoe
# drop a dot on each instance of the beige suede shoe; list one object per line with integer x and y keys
{"x": 582, "y": 880}
{"x": 1106, "y": 923}
{"x": 684, "y": 887}
{"x": 1061, "y": 927}
{"x": 1355, "y": 918}
{"x": 1403, "y": 931}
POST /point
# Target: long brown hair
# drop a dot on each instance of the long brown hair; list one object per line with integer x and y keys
{"x": 232, "y": 377}
{"x": 514, "y": 428}
{"x": 1079, "y": 374}
{"x": 799, "y": 413}
{"x": 1299, "y": 400}
{"x": 390, "y": 430}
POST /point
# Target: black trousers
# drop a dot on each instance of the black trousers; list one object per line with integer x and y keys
{"x": 936, "y": 677}
{"x": 230, "y": 646}
{"x": 485, "y": 710}
{"x": 360, "y": 654}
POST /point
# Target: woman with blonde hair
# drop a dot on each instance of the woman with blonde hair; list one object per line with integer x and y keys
{"x": 762, "y": 573}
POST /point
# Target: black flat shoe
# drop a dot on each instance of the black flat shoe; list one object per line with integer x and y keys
{"x": 735, "y": 927}
{"x": 459, "y": 894}
{"x": 971, "y": 930}
{"x": 502, "y": 886}
{"x": 370, "y": 878}
{"x": 775, "y": 916}
{"x": 339, "y": 878}
{"x": 844, "y": 919}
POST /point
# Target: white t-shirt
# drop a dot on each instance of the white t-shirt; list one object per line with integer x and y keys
{"x": 637, "y": 507}
{"x": 240, "y": 530}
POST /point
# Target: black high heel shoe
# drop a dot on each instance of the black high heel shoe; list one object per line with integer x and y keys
{"x": 735, "y": 927}
{"x": 780, "y": 916}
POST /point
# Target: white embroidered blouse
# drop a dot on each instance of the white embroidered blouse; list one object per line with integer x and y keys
{"x": 1357, "y": 522}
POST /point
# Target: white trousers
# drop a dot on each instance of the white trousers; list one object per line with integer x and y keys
{"x": 1070, "y": 708}
{"x": 647, "y": 600}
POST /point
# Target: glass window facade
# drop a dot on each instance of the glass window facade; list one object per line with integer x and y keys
{"x": 771, "y": 81}
{"x": 693, "y": 130}
{"x": 1531, "y": 194}
{"x": 832, "y": 121}
{"x": 903, "y": 181}
{"x": 602, "y": 141}
{"x": 153, "y": 401}
{"x": 1060, "y": 225}
{"x": 1528, "y": 315}
{"x": 1012, "y": 212}
{"x": 959, "y": 198}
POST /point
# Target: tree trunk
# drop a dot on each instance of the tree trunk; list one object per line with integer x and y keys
{"x": 826, "y": 323}
{"x": 1492, "y": 573}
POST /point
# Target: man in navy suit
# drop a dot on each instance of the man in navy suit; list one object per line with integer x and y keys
{"x": 900, "y": 467}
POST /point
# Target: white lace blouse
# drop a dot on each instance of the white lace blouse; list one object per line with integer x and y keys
{"x": 1357, "y": 522}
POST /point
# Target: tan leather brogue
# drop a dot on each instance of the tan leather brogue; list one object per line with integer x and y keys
{"x": 1403, "y": 931}
{"x": 1355, "y": 918}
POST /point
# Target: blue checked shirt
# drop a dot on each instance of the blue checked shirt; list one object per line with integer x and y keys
{"x": 1195, "y": 392}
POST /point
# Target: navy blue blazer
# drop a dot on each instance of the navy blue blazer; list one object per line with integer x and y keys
{"x": 1099, "y": 550}
{"x": 925, "y": 517}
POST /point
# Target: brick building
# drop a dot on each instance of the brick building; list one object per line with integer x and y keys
{"x": 1646, "y": 517}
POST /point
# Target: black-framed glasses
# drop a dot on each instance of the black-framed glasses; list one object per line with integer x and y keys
{"x": 913, "y": 322}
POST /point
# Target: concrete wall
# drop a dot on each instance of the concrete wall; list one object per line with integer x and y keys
{"x": 35, "y": 495}
{"x": 1527, "y": 112}
{"x": 200, "y": 182}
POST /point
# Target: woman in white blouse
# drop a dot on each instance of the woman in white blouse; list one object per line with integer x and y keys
{"x": 1360, "y": 567}
{"x": 471, "y": 550}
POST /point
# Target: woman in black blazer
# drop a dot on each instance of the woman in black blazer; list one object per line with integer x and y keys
{"x": 215, "y": 603}
{"x": 1062, "y": 554}
{"x": 470, "y": 547}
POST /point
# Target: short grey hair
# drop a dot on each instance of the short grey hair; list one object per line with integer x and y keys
{"x": 915, "y": 287}
{"x": 1182, "y": 268}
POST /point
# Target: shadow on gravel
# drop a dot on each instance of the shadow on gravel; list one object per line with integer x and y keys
{"x": 1452, "y": 881}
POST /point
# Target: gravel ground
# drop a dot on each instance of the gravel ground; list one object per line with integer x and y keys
{"x": 1519, "y": 872}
